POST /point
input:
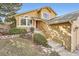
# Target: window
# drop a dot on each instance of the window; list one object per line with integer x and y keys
{"x": 29, "y": 22}
{"x": 23, "y": 21}
{"x": 46, "y": 15}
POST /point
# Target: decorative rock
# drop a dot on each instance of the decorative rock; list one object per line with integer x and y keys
{"x": 8, "y": 36}
{"x": 53, "y": 49}
{"x": 45, "y": 50}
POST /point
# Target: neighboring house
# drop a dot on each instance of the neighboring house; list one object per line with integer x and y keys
{"x": 31, "y": 18}
{"x": 65, "y": 29}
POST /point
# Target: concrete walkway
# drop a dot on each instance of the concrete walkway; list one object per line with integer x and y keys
{"x": 61, "y": 50}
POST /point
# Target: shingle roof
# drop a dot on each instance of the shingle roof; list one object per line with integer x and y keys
{"x": 65, "y": 18}
{"x": 38, "y": 10}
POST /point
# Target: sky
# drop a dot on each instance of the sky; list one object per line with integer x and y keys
{"x": 59, "y": 8}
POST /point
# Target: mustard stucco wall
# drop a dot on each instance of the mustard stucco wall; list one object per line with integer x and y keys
{"x": 44, "y": 28}
{"x": 62, "y": 34}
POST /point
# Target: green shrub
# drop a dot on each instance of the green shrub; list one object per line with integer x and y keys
{"x": 40, "y": 39}
{"x": 32, "y": 29}
{"x": 17, "y": 31}
{"x": 1, "y": 22}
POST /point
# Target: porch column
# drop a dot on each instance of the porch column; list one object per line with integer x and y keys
{"x": 34, "y": 23}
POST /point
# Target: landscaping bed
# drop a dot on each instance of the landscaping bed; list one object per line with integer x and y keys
{"x": 21, "y": 47}
{"x": 19, "y": 42}
{"x": 18, "y": 47}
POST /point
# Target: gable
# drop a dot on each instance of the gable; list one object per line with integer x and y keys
{"x": 42, "y": 13}
{"x": 47, "y": 13}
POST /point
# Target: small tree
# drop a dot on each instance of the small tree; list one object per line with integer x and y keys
{"x": 9, "y": 9}
{"x": 32, "y": 29}
{"x": 32, "y": 32}
{"x": 13, "y": 20}
{"x": 1, "y": 21}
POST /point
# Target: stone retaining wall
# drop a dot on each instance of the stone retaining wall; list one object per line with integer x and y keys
{"x": 9, "y": 36}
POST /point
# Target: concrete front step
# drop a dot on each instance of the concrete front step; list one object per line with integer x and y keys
{"x": 54, "y": 44}
{"x": 61, "y": 50}
{"x": 66, "y": 53}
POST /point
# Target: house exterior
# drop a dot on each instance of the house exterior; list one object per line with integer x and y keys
{"x": 34, "y": 17}
{"x": 62, "y": 29}
{"x": 65, "y": 30}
